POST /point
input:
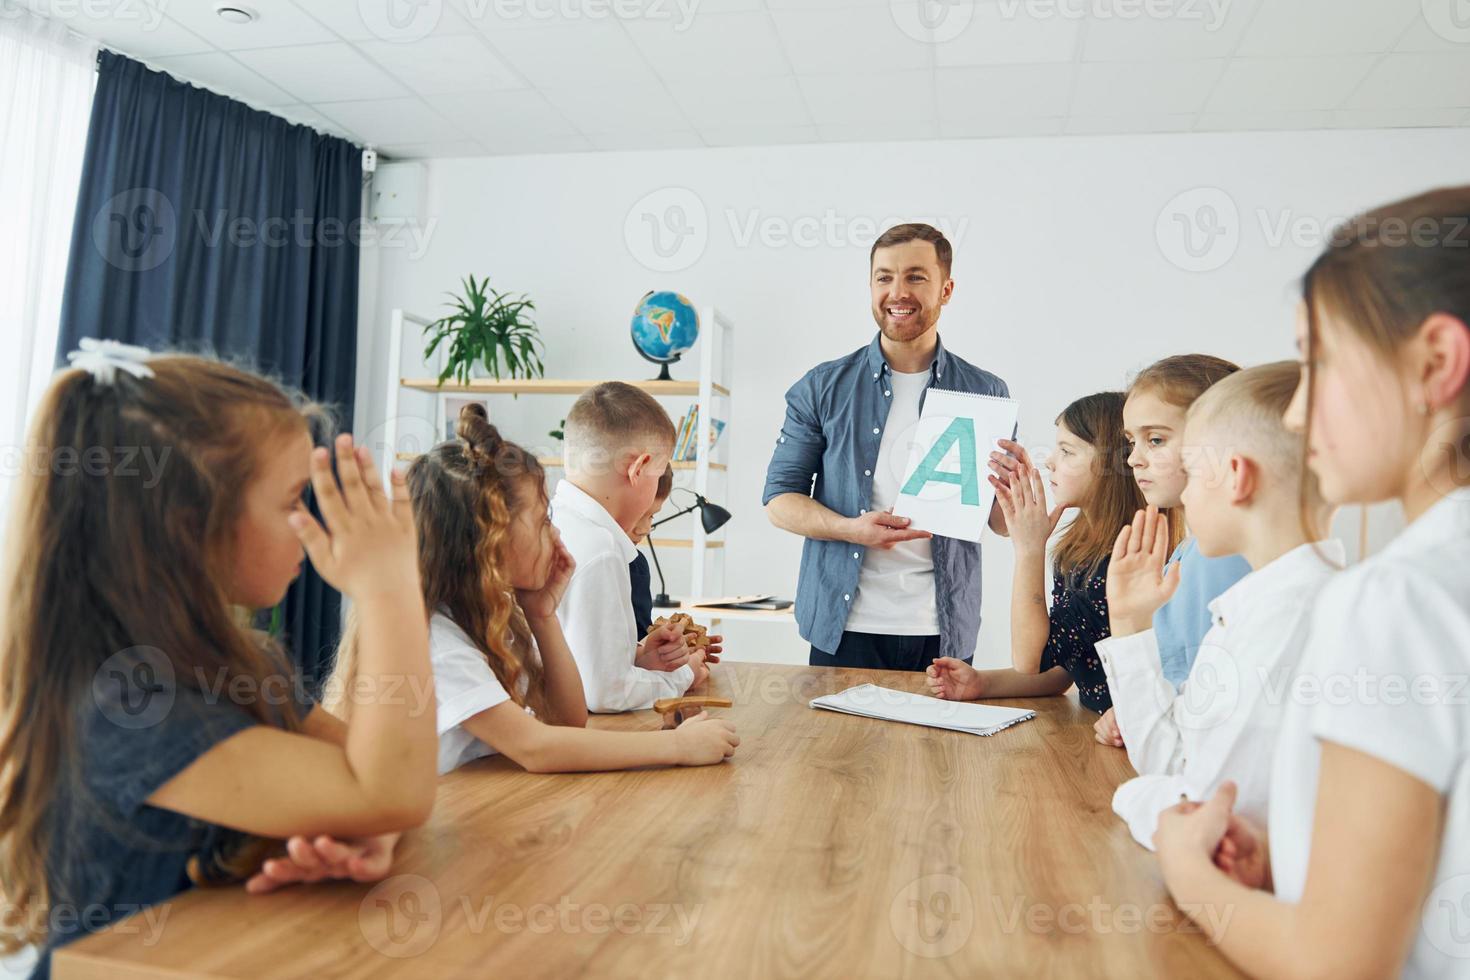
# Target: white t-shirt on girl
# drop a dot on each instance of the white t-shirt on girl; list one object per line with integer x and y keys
{"x": 1385, "y": 673}
{"x": 464, "y": 686}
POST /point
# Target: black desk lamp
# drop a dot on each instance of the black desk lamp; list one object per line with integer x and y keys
{"x": 712, "y": 516}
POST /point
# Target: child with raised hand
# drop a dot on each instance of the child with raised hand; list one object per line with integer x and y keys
{"x": 1153, "y": 421}
{"x": 148, "y": 738}
{"x": 1246, "y": 493}
{"x": 494, "y": 571}
{"x": 618, "y": 444}
{"x": 1051, "y": 649}
{"x": 1369, "y": 825}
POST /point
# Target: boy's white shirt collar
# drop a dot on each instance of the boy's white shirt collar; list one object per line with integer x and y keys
{"x": 574, "y": 498}
{"x": 1303, "y": 561}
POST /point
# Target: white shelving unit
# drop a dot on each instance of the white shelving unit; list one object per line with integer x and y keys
{"x": 421, "y": 401}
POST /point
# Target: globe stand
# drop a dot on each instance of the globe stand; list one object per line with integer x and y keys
{"x": 663, "y": 365}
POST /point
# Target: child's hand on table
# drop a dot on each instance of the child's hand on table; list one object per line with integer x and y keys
{"x": 704, "y": 741}
{"x": 326, "y": 858}
{"x": 1106, "y": 729}
{"x": 663, "y": 649}
{"x": 954, "y": 680}
{"x": 1138, "y": 584}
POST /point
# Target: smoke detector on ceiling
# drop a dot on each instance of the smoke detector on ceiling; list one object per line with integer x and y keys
{"x": 235, "y": 14}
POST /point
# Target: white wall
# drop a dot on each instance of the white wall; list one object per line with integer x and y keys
{"x": 1070, "y": 268}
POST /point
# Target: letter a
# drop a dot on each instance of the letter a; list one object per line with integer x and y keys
{"x": 961, "y": 430}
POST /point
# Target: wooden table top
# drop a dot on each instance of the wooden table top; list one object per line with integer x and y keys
{"x": 831, "y": 845}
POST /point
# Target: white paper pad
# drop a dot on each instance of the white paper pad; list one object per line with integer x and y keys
{"x": 885, "y": 704}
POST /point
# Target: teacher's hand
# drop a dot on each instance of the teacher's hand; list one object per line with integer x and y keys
{"x": 882, "y": 529}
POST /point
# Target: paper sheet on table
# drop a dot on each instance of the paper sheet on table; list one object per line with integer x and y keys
{"x": 945, "y": 489}
{"x": 886, "y": 704}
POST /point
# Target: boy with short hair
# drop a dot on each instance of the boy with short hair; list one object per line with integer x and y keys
{"x": 1245, "y": 495}
{"x": 618, "y": 445}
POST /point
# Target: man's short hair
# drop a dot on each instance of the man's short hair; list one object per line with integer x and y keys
{"x": 902, "y": 234}
{"x": 615, "y": 418}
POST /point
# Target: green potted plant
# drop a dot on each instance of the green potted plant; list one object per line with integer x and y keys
{"x": 487, "y": 329}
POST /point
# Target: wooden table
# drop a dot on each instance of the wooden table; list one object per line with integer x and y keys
{"x": 830, "y": 846}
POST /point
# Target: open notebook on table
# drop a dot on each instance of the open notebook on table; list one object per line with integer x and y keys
{"x": 886, "y": 704}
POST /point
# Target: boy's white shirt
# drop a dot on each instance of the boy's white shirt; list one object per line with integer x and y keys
{"x": 596, "y": 613}
{"x": 1223, "y": 721}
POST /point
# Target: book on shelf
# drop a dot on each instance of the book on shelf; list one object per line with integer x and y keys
{"x": 686, "y": 446}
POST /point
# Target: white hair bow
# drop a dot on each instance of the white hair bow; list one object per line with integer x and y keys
{"x": 104, "y": 358}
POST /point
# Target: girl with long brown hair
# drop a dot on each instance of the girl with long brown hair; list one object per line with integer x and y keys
{"x": 1052, "y": 648}
{"x": 1364, "y": 869}
{"x": 145, "y": 734}
{"x": 494, "y": 570}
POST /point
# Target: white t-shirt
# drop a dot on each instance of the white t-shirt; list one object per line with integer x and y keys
{"x": 1386, "y": 667}
{"x": 464, "y": 686}
{"x": 895, "y": 591}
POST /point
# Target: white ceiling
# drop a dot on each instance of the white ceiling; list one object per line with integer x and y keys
{"x": 422, "y": 78}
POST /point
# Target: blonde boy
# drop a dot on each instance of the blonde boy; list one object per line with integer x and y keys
{"x": 618, "y": 444}
{"x": 1245, "y": 495}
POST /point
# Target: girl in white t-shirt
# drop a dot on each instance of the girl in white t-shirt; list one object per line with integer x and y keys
{"x": 1368, "y": 848}
{"x": 494, "y": 570}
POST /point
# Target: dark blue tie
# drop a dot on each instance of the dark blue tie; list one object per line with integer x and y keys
{"x": 642, "y": 593}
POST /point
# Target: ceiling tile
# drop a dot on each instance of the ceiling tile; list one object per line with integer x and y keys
{"x": 511, "y": 142}
{"x": 1414, "y": 81}
{"x": 223, "y": 74}
{"x": 1167, "y": 87}
{"x": 382, "y": 121}
{"x": 755, "y": 102}
{"x": 991, "y": 91}
{"x": 322, "y": 72}
{"x": 893, "y": 99}
{"x": 585, "y": 53}
{"x": 860, "y": 39}
{"x": 491, "y": 116}
{"x": 878, "y": 131}
{"x": 712, "y": 46}
{"x": 986, "y": 127}
{"x": 1442, "y": 25}
{"x": 1247, "y": 121}
{"x": 396, "y": 21}
{"x": 1179, "y": 29}
{"x": 430, "y": 151}
{"x": 308, "y": 116}
{"x": 277, "y": 23}
{"x": 662, "y": 138}
{"x": 139, "y": 28}
{"x": 610, "y": 109}
{"x": 451, "y": 63}
{"x": 1322, "y": 27}
{"x": 1287, "y": 84}
{"x": 1002, "y": 34}
{"x": 1130, "y": 123}
{"x": 1397, "y": 118}
{"x": 758, "y": 135}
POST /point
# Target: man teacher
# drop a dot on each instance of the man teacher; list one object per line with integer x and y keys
{"x": 873, "y": 592}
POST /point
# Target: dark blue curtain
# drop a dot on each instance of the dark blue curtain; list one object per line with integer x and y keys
{"x": 204, "y": 225}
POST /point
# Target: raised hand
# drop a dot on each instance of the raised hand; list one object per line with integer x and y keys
{"x": 1138, "y": 585}
{"x": 367, "y": 545}
{"x": 1006, "y": 463}
{"x": 954, "y": 680}
{"x": 1023, "y": 502}
{"x": 542, "y": 603}
{"x": 704, "y": 740}
{"x": 882, "y": 529}
{"x": 325, "y": 858}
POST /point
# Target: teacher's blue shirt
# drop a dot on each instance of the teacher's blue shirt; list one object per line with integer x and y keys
{"x": 827, "y": 450}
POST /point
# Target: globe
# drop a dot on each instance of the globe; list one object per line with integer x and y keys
{"x": 665, "y": 326}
